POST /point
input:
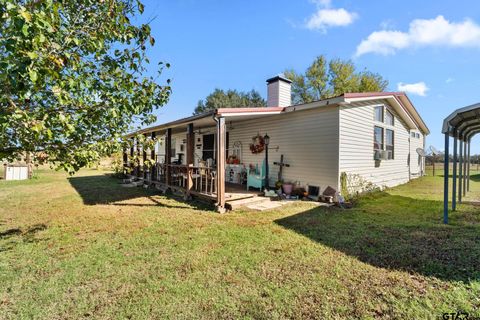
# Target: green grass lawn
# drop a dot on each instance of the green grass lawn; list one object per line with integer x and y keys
{"x": 83, "y": 246}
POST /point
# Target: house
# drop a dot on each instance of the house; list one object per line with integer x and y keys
{"x": 369, "y": 137}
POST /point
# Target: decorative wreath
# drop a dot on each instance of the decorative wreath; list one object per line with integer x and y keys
{"x": 258, "y": 144}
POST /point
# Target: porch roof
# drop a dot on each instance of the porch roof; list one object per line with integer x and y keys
{"x": 207, "y": 119}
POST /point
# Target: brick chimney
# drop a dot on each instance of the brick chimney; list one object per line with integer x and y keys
{"x": 279, "y": 92}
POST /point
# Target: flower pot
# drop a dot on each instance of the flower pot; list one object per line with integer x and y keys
{"x": 287, "y": 188}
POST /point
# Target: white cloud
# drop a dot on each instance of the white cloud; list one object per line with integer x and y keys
{"x": 419, "y": 88}
{"x": 449, "y": 80}
{"x": 423, "y": 32}
{"x": 324, "y": 18}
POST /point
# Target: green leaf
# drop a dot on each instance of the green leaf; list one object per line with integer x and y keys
{"x": 33, "y": 75}
{"x": 25, "y": 30}
{"x": 26, "y": 16}
{"x": 141, "y": 7}
{"x": 32, "y": 55}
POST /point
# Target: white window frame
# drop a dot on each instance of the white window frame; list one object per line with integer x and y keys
{"x": 375, "y": 113}
{"x": 392, "y": 152}
{"x": 384, "y": 126}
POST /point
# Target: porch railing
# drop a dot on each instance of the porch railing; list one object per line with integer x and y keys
{"x": 203, "y": 178}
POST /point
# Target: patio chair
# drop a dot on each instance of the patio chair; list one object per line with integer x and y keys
{"x": 256, "y": 178}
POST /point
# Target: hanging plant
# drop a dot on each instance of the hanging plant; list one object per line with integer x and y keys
{"x": 258, "y": 144}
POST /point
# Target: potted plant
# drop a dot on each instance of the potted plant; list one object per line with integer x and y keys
{"x": 287, "y": 188}
{"x": 278, "y": 184}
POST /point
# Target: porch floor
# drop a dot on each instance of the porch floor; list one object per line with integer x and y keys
{"x": 235, "y": 191}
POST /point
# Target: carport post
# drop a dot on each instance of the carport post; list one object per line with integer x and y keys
{"x": 460, "y": 165}
{"x": 465, "y": 160}
{"x": 454, "y": 173}
{"x": 445, "y": 180}
{"x": 468, "y": 165}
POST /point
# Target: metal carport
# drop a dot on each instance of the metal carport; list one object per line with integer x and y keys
{"x": 461, "y": 125}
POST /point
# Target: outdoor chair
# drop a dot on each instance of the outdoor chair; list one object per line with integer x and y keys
{"x": 256, "y": 177}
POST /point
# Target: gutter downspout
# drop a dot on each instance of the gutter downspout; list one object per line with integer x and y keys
{"x": 220, "y": 164}
{"x": 409, "y": 155}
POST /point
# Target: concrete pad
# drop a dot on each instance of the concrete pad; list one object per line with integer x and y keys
{"x": 267, "y": 205}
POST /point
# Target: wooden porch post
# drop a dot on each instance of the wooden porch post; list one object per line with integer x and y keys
{"x": 153, "y": 158}
{"x": 168, "y": 155}
{"x": 132, "y": 152}
{"x": 144, "y": 158}
{"x": 221, "y": 164}
{"x": 125, "y": 160}
{"x": 190, "y": 157}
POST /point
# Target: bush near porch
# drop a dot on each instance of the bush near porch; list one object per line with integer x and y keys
{"x": 84, "y": 246}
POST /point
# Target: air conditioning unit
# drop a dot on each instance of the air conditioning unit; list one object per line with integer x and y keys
{"x": 384, "y": 155}
{"x": 380, "y": 155}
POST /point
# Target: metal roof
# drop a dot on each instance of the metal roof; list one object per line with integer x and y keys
{"x": 398, "y": 99}
{"x": 463, "y": 122}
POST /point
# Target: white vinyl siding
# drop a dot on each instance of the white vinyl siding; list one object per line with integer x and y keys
{"x": 279, "y": 94}
{"x": 307, "y": 139}
{"x": 357, "y": 122}
{"x": 416, "y": 163}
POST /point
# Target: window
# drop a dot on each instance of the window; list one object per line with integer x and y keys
{"x": 389, "y": 120}
{"x": 418, "y": 135}
{"x": 389, "y": 144}
{"x": 412, "y": 134}
{"x": 379, "y": 113}
{"x": 378, "y": 139}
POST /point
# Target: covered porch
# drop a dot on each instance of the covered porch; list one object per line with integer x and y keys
{"x": 190, "y": 157}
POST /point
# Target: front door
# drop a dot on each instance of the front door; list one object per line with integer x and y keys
{"x": 208, "y": 147}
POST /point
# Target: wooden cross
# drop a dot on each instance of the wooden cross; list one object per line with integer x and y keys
{"x": 281, "y": 164}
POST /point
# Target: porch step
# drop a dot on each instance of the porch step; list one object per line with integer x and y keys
{"x": 245, "y": 202}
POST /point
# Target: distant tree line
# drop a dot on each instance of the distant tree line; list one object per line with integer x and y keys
{"x": 321, "y": 80}
{"x": 431, "y": 158}
{"x": 230, "y": 99}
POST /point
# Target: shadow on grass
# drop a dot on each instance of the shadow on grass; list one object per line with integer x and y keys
{"x": 105, "y": 189}
{"x": 15, "y": 234}
{"x": 396, "y": 232}
{"x": 475, "y": 177}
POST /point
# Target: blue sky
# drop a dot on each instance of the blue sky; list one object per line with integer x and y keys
{"x": 430, "y": 48}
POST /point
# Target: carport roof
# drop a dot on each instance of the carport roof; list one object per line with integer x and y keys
{"x": 463, "y": 122}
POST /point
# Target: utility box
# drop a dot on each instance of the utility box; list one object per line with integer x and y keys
{"x": 16, "y": 172}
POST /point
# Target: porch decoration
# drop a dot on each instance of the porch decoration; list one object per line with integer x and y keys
{"x": 233, "y": 160}
{"x": 266, "y": 139}
{"x": 258, "y": 144}
{"x": 281, "y": 164}
{"x": 235, "y": 156}
{"x": 287, "y": 188}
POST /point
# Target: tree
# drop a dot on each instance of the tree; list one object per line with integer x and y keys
{"x": 73, "y": 78}
{"x": 230, "y": 99}
{"x": 324, "y": 79}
